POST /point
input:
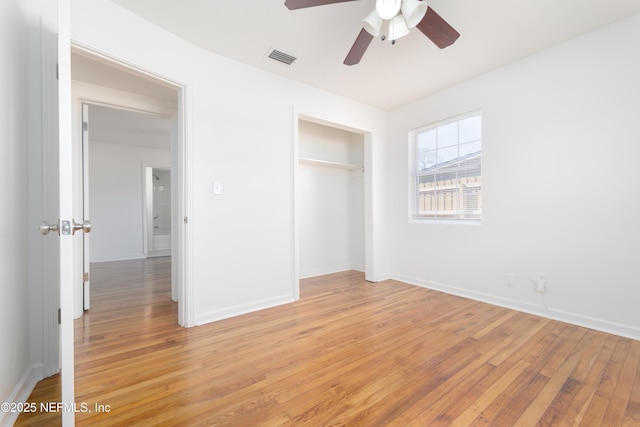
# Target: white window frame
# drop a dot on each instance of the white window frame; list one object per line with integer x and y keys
{"x": 461, "y": 187}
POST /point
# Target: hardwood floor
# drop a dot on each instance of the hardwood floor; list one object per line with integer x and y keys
{"x": 348, "y": 353}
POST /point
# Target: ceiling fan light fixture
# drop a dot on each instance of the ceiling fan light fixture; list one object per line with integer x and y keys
{"x": 387, "y": 9}
{"x": 400, "y": 14}
{"x": 373, "y": 23}
{"x": 397, "y": 28}
{"x": 413, "y": 11}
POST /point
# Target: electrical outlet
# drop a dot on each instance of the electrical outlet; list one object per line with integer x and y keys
{"x": 510, "y": 280}
{"x": 541, "y": 283}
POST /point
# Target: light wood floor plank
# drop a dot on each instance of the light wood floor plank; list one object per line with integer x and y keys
{"x": 620, "y": 397}
{"x": 581, "y": 399}
{"x": 348, "y": 353}
{"x": 548, "y": 397}
{"x": 475, "y": 408}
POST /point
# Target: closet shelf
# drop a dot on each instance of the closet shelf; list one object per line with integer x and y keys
{"x": 328, "y": 164}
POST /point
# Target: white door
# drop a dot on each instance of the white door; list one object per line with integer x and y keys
{"x": 67, "y": 223}
{"x": 58, "y": 260}
{"x": 56, "y": 198}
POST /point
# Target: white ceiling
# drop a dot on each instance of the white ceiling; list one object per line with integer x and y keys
{"x": 493, "y": 33}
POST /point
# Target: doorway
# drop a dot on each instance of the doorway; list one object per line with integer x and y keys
{"x": 332, "y": 187}
{"x": 154, "y": 106}
{"x": 117, "y": 93}
{"x": 157, "y": 211}
{"x": 331, "y": 199}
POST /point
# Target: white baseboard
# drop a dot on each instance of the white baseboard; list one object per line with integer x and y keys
{"x": 358, "y": 267}
{"x": 21, "y": 392}
{"x": 118, "y": 258}
{"x": 226, "y": 313}
{"x": 627, "y": 331}
{"x": 305, "y": 274}
{"x": 158, "y": 253}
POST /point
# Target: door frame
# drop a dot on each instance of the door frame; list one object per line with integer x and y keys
{"x": 180, "y": 159}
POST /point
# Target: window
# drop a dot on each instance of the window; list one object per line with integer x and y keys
{"x": 447, "y": 166}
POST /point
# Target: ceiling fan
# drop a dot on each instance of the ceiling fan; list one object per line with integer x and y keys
{"x": 400, "y": 15}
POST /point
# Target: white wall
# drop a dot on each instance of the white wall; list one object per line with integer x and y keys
{"x": 115, "y": 198}
{"x": 240, "y": 132}
{"x": 14, "y": 356}
{"x": 560, "y": 154}
{"x": 331, "y": 200}
{"x": 326, "y": 143}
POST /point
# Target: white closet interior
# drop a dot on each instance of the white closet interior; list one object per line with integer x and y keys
{"x": 331, "y": 199}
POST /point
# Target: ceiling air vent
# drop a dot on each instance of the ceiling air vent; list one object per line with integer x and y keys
{"x": 282, "y": 57}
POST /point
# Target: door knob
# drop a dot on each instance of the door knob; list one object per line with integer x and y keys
{"x": 85, "y": 226}
{"x": 45, "y": 228}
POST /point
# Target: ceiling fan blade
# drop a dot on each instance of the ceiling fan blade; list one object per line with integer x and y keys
{"x": 437, "y": 29}
{"x": 359, "y": 48}
{"x": 302, "y": 4}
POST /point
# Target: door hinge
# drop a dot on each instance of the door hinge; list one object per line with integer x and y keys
{"x": 57, "y": 71}
{"x": 59, "y": 316}
{"x": 85, "y": 277}
{"x": 186, "y": 220}
{"x": 85, "y": 126}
